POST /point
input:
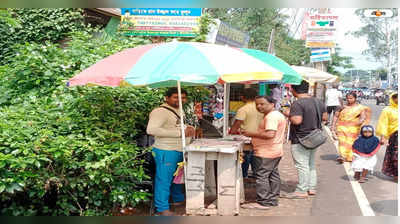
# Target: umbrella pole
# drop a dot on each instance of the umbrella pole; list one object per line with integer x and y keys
{"x": 226, "y": 109}
{"x": 182, "y": 131}
{"x": 181, "y": 115}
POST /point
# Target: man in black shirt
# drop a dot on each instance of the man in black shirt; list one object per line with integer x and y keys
{"x": 304, "y": 119}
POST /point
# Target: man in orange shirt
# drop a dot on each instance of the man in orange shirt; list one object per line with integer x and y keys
{"x": 268, "y": 150}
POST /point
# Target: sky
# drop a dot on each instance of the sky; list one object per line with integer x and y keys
{"x": 350, "y": 45}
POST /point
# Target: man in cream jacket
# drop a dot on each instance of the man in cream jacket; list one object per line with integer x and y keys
{"x": 164, "y": 125}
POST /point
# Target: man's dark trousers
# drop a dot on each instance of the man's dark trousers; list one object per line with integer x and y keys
{"x": 268, "y": 181}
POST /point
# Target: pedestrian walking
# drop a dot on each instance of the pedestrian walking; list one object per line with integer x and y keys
{"x": 388, "y": 129}
{"x": 347, "y": 124}
{"x": 306, "y": 115}
{"x": 276, "y": 93}
{"x": 365, "y": 148}
{"x": 333, "y": 101}
{"x": 268, "y": 149}
{"x": 247, "y": 118}
{"x": 164, "y": 125}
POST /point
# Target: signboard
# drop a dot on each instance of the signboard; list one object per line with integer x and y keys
{"x": 224, "y": 34}
{"x": 320, "y": 54}
{"x": 321, "y": 30}
{"x": 174, "y": 22}
{"x": 320, "y": 44}
{"x": 320, "y": 35}
{"x": 322, "y": 22}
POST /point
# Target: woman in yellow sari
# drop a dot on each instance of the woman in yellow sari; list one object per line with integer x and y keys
{"x": 388, "y": 130}
{"x": 347, "y": 124}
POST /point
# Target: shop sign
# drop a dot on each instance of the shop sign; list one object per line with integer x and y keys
{"x": 224, "y": 34}
{"x": 321, "y": 30}
{"x": 173, "y": 22}
{"x": 320, "y": 44}
{"x": 320, "y": 54}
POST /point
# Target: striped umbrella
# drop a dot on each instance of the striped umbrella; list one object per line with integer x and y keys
{"x": 162, "y": 65}
{"x": 176, "y": 64}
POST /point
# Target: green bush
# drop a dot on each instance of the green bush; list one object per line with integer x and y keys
{"x": 41, "y": 68}
{"x": 37, "y": 25}
{"x": 74, "y": 153}
{"x": 71, "y": 151}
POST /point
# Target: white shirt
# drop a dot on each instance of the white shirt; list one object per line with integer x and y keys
{"x": 332, "y": 97}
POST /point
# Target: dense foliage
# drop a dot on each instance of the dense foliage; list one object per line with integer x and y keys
{"x": 37, "y": 25}
{"x": 68, "y": 151}
{"x": 73, "y": 153}
{"x": 43, "y": 67}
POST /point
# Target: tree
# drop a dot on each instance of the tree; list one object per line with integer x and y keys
{"x": 382, "y": 73}
{"x": 382, "y": 38}
{"x": 339, "y": 62}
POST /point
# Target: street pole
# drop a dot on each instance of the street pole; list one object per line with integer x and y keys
{"x": 389, "y": 74}
{"x": 271, "y": 43}
{"x": 370, "y": 79}
{"x": 358, "y": 79}
{"x": 263, "y": 88}
{"x": 351, "y": 77}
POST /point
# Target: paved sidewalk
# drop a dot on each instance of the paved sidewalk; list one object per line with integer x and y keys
{"x": 286, "y": 207}
{"x": 334, "y": 197}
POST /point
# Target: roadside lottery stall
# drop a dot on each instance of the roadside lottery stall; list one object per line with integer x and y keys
{"x": 195, "y": 64}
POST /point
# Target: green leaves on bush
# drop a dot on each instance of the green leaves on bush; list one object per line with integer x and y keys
{"x": 74, "y": 153}
{"x": 36, "y": 25}
{"x": 68, "y": 151}
{"x": 42, "y": 68}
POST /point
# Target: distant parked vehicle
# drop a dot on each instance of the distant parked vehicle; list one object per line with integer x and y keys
{"x": 382, "y": 96}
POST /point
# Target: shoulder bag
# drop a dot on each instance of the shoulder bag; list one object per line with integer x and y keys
{"x": 317, "y": 137}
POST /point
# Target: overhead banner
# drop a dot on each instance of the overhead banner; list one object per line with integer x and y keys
{"x": 173, "y": 22}
{"x": 321, "y": 30}
{"x": 320, "y": 54}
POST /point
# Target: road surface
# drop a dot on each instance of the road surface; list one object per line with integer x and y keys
{"x": 340, "y": 196}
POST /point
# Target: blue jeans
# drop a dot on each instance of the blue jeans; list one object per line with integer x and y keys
{"x": 247, "y": 161}
{"x": 304, "y": 161}
{"x": 166, "y": 164}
